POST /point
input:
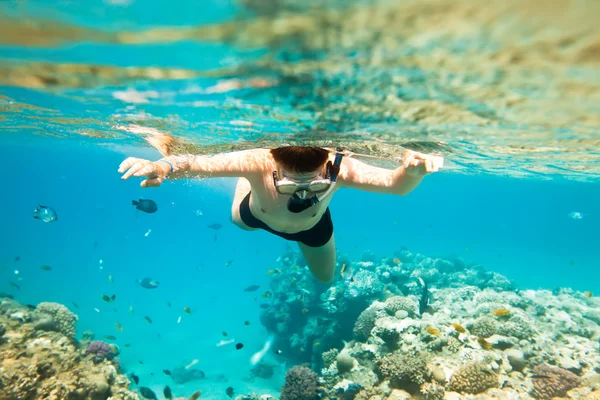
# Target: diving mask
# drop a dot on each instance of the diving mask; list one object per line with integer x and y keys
{"x": 300, "y": 199}
{"x": 286, "y": 185}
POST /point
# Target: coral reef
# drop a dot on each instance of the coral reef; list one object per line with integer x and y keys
{"x": 481, "y": 338}
{"x": 300, "y": 384}
{"x": 41, "y": 363}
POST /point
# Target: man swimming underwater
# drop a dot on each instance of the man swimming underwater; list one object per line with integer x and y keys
{"x": 287, "y": 190}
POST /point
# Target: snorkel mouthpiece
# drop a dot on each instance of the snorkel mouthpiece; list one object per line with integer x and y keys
{"x": 297, "y": 204}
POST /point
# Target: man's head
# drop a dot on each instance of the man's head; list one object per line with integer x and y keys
{"x": 301, "y": 159}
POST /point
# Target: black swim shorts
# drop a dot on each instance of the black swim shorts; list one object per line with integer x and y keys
{"x": 316, "y": 236}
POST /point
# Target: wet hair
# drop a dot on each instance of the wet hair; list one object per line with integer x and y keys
{"x": 301, "y": 158}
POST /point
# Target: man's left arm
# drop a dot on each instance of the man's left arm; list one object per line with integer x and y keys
{"x": 401, "y": 181}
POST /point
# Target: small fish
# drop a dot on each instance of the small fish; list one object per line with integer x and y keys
{"x": 14, "y": 285}
{"x": 225, "y": 342}
{"x": 267, "y": 295}
{"x": 147, "y": 318}
{"x": 187, "y": 310}
{"x": 216, "y": 227}
{"x": 196, "y": 395}
{"x": 17, "y": 258}
{"x": 148, "y": 232}
{"x": 111, "y": 279}
{"x": 135, "y": 378}
{"x": 45, "y": 214}
{"x": 127, "y": 345}
{"x": 179, "y": 319}
{"x": 75, "y": 304}
{"x": 149, "y": 283}
{"x": 169, "y": 304}
{"x": 97, "y": 310}
{"x": 247, "y": 323}
{"x": 167, "y": 392}
{"x": 343, "y": 270}
{"x": 147, "y": 393}
{"x": 484, "y": 343}
{"x": 273, "y": 271}
{"x": 576, "y": 215}
{"x": 141, "y": 362}
{"x": 224, "y": 334}
{"x": 278, "y": 352}
{"x": 229, "y": 392}
{"x": 167, "y": 372}
{"x": 228, "y": 263}
{"x": 46, "y": 268}
{"x": 113, "y": 297}
{"x": 105, "y": 298}
{"x": 588, "y": 294}
{"x": 147, "y": 206}
{"x": 239, "y": 346}
{"x": 110, "y": 337}
{"x": 252, "y": 288}
{"x": 119, "y": 327}
{"x": 397, "y": 261}
{"x": 304, "y": 310}
{"x": 131, "y": 310}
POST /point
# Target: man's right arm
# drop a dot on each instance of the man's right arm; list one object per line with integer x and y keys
{"x": 244, "y": 163}
{"x": 249, "y": 164}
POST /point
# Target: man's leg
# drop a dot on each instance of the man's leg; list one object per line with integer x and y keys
{"x": 321, "y": 260}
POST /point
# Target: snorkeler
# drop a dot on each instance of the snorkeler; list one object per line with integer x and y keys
{"x": 287, "y": 190}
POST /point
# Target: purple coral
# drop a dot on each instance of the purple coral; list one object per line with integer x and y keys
{"x": 550, "y": 382}
{"x": 102, "y": 350}
{"x": 300, "y": 384}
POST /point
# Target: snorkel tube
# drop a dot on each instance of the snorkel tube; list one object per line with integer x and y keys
{"x": 297, "y": 203}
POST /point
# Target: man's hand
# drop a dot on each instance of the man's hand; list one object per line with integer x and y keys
{"x": 418, "y": 164}
{"x": 154, "y": 171}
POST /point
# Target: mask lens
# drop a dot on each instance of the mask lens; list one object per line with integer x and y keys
{"x": 317, "y": 187}
{"x": 287, "y": 188}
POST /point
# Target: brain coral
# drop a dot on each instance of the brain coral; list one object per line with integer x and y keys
{"x": 366, "y": 322}
{"x": 55, "y": 317}
{"x": 484, "y": 327}
{"x": 300, "y": 384}
{"x": 556, "y": 382}
{"x": 473, "y": 378}
{"x": 397, "y": 303}
{"x": 403, "y": 369}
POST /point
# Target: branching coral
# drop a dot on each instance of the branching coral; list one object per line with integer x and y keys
{"x": 473, "y": 378}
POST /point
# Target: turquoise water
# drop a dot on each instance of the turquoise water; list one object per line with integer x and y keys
{"x": 518, "y": 227}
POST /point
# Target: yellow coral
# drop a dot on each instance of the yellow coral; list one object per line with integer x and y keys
{"x": 501, "y": 312}
{"x": 432, "y": 331}
{"x": 459, "y": 328}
